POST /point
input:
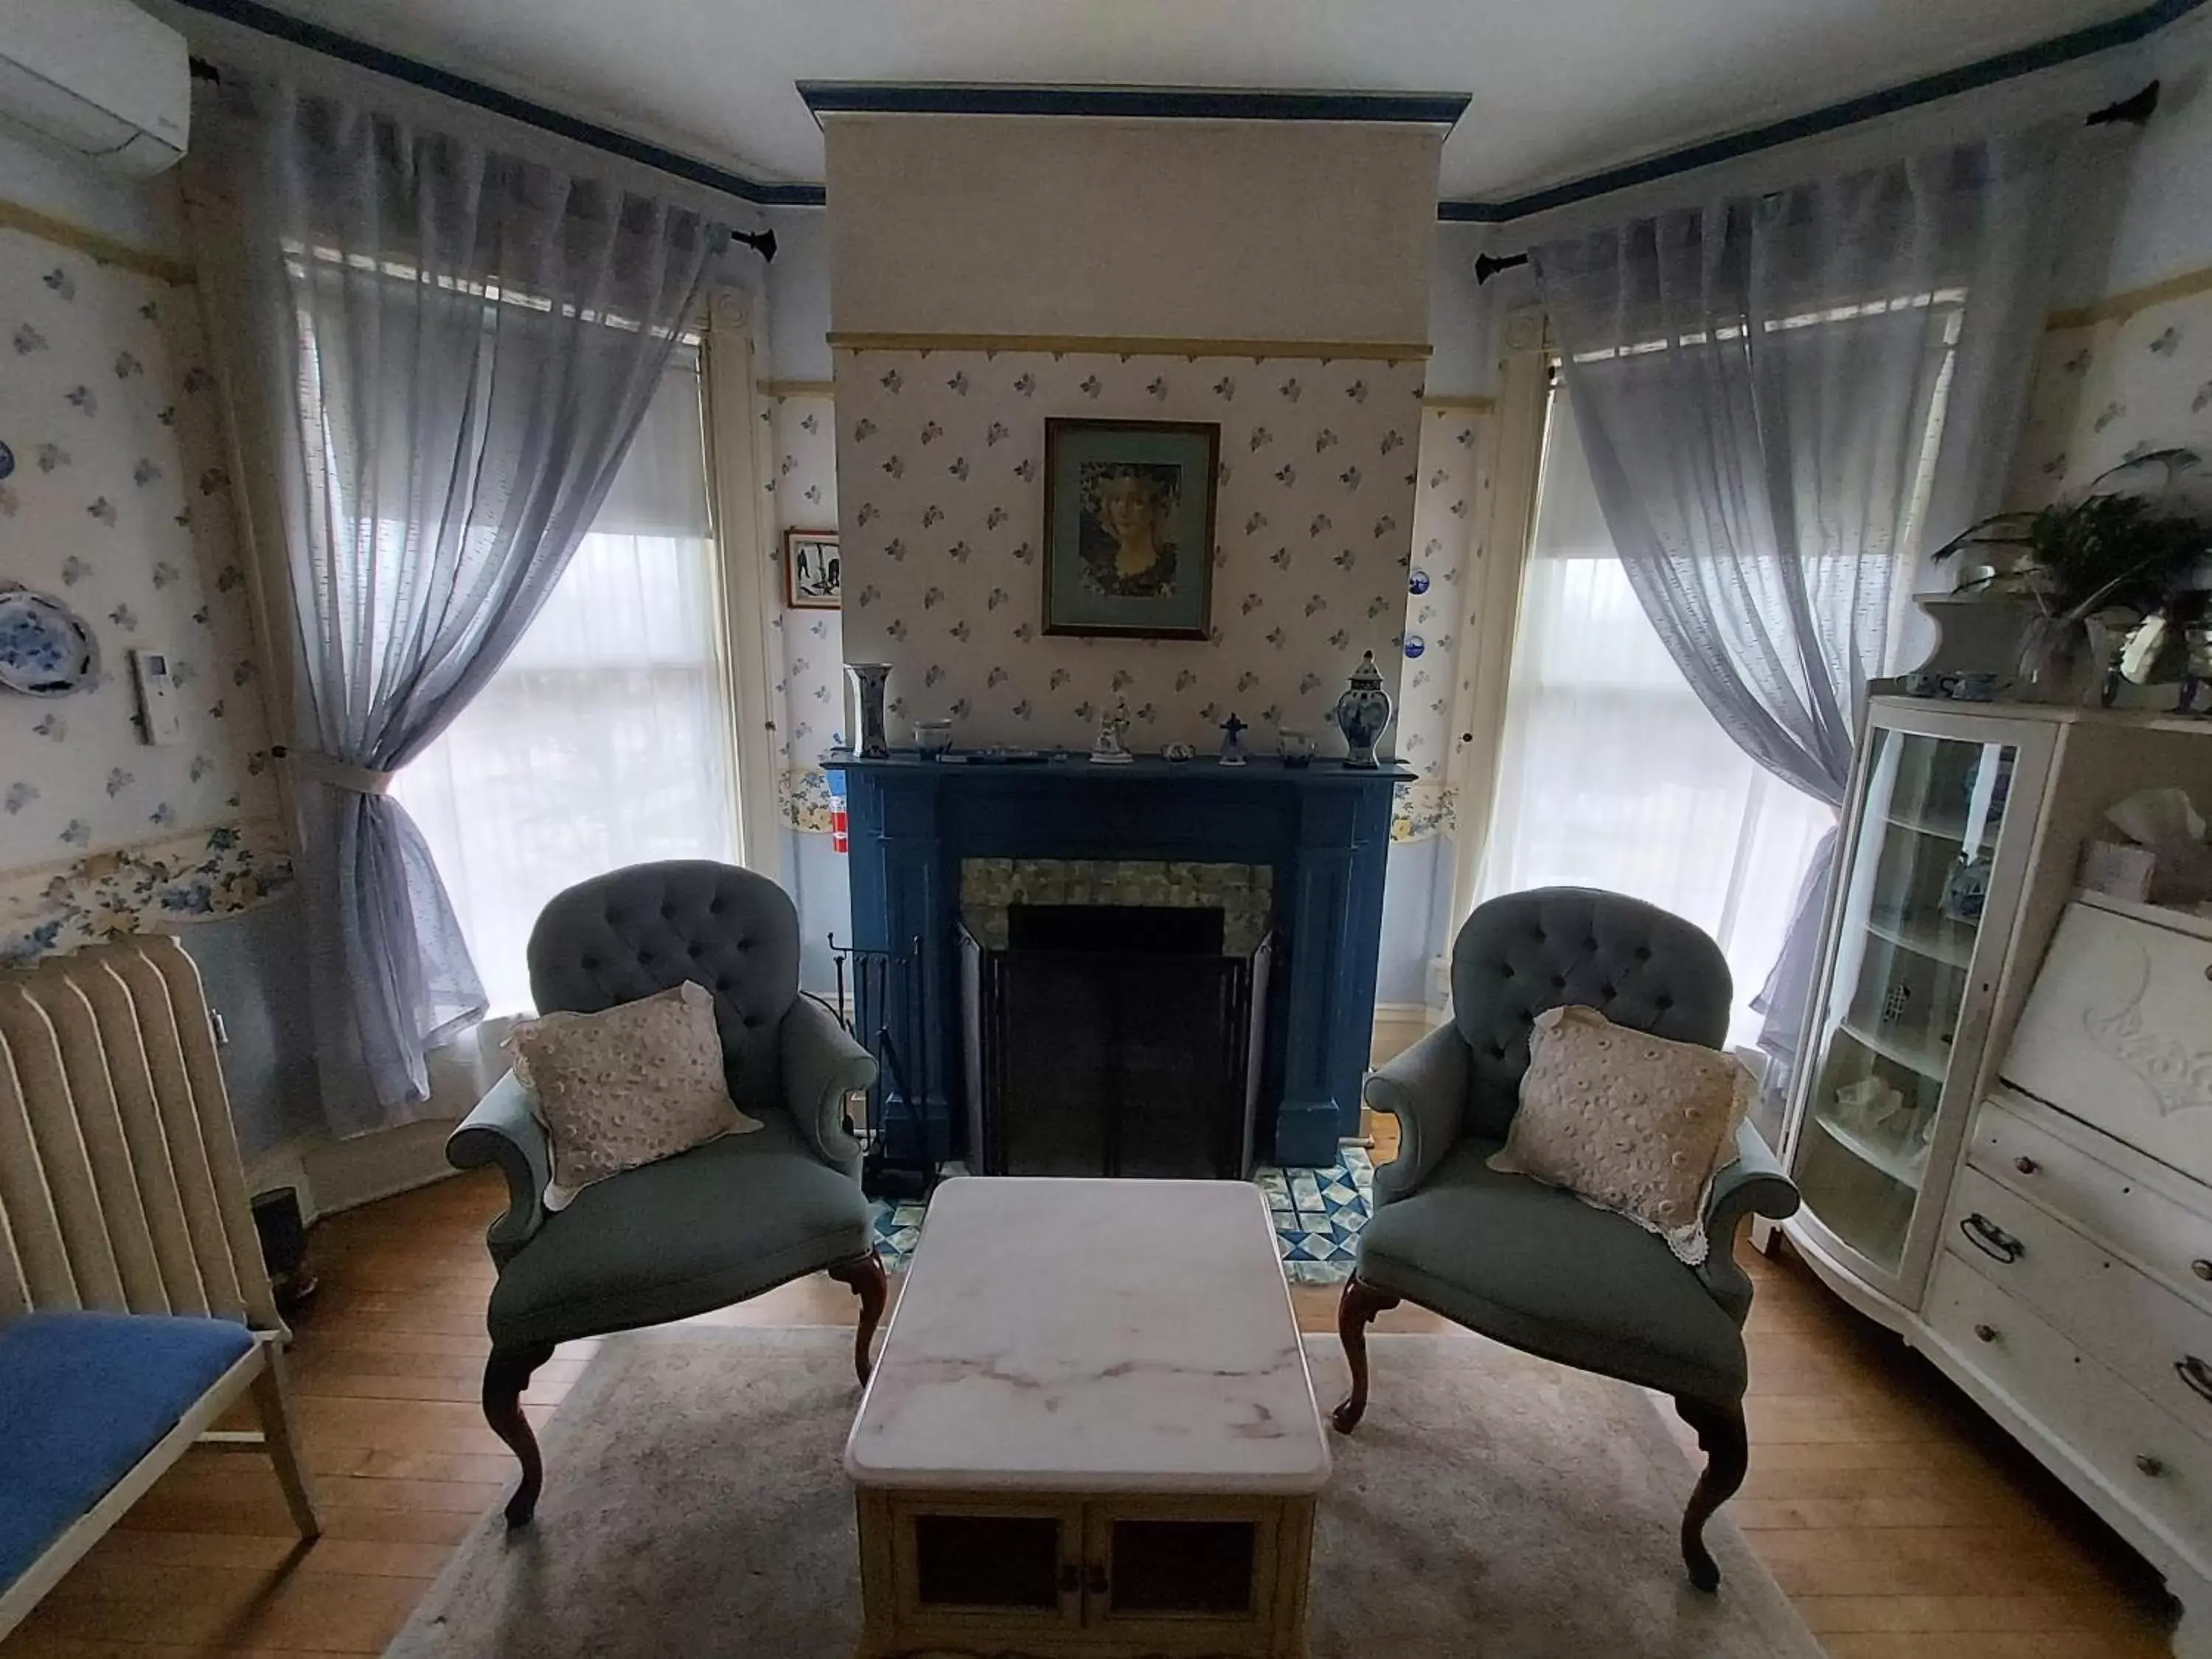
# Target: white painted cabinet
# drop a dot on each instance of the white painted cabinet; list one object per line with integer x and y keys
{"x": 2034, "y": 1211}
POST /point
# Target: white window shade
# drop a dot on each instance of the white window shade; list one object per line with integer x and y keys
{"x": 604, "y": 739}
{"x": 1612, "y": 773}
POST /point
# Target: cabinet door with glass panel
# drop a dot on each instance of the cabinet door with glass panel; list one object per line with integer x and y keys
{"x": 1932, "y": 875}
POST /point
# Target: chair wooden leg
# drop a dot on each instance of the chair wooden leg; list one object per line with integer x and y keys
{"x": 865, "y": 1274}
{"x": 1360, "y": 1303}
{"x": 271, "y": 1400}
{"x": 1721, "y": 1437}
{"x": 507, "y": 1373}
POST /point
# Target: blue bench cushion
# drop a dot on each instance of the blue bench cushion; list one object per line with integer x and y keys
{"x": 83, "y": 1396}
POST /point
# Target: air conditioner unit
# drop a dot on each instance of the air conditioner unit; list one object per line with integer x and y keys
{"x": 96, "y": 79}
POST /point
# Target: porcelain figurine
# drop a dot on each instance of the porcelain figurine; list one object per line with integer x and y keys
{"x": 2199, "y": 673}
{"x": 1178, "y": 752}
{"x": 1362, "y": 713}
{"x": 864, "y": 711}
{"x": 1232, "y": 742}
{"x": 1110, "y": 748}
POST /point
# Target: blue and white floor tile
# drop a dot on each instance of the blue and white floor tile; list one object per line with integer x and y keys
{"x": 1318, "y": 1215}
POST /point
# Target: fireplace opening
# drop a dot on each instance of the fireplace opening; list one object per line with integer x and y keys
{"x": 1114, "y": 1040}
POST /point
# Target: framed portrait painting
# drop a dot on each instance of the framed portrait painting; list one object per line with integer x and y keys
{"x": 1128, "y": 531}
{"x": 809, "y": 570}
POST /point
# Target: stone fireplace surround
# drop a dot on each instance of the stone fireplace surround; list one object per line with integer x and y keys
{"x": 1321, "y": 832}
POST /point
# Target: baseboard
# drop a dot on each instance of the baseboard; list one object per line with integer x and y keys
{"x": 331, "y": 1175}
{"x": 1399, "y": 1026}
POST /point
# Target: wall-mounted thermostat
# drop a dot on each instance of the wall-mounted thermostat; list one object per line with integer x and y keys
{"x": 158, "y": 718}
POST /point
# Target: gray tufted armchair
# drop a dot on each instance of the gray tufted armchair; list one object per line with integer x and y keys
{"x": 715, "y": 1226}
{"x": 1528, "y": 1264}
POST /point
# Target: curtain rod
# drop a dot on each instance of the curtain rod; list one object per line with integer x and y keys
{"x": 762, "y": 242}
{"x": 2134, "y": 111}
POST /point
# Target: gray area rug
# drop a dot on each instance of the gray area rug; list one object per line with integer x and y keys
{"x": 1491, "y": 1505}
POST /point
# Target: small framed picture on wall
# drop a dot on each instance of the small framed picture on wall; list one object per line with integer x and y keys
{"x": 1128, "y": 527}
{"x": 809, "y": 570}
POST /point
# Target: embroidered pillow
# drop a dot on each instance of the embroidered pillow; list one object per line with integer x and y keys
{"x": 627, "y": 1085}
{"x": 1626, "y": 1122}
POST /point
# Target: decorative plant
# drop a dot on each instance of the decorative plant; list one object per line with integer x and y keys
{"x": 2108, "y": 549}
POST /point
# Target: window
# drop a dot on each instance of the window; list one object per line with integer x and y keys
{"x": 605, "y": 739}
{"x": 1612, "y": 773}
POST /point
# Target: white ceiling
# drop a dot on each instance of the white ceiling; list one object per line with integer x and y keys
{"x": 1560, "y": 88}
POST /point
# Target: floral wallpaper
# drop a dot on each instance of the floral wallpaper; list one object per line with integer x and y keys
{"x": 809, "y": 693}
{"x": 118, "y": 506}
{"x": 941, "y": 456}
{"x": 1448, "y": 507}
{"x": 2110, "y": 390}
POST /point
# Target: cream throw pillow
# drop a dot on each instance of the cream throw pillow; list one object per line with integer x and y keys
{"x": 1626, "y": 1122}
{"x": 627, "y": 1085}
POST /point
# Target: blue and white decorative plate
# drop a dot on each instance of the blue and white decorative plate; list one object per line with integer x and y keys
{"x": 47, "y": 650}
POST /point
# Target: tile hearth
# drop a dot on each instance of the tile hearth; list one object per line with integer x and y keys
{"x": 1317, "y": 1214}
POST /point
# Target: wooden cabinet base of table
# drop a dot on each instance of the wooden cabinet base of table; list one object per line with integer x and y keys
{"x": 1060, "y": 1576}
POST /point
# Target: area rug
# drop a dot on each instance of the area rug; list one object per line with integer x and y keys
{"x": 1491, "y": 1506}
{"x": 1317, "y": 1213}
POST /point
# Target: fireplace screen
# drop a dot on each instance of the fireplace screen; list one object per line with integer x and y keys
{"x": 1113, "y": 1039}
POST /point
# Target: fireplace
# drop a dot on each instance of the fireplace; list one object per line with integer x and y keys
{"x": 1294, "y": 855}
{"x": 1112, "y": 1016}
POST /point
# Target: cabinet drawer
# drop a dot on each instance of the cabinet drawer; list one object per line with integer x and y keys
{"x": 2161, "y": 1470}
{"x": 2137, "y": 1327}
{"x": 2173, "y": 1244}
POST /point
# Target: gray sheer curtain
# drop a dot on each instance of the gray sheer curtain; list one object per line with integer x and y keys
{"x": 1783, "y": 399}
{"x": 458, "y": 346}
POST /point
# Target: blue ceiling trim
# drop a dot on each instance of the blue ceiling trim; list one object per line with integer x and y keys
{"x": 1437, "y": 108}
{"x": 1989, "y": 71}
{"x": 266, "y": 21}
{"x": 1150, "y": 103}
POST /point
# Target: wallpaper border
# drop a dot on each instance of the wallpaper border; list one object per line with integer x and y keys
{"x": 216, "y": 870}
{"x": 1134, "y": 345}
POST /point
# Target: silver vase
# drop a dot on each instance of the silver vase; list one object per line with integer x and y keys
{"x": 864, "y": 709}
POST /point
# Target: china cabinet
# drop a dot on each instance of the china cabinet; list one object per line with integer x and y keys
{"x": 2003, "y": 1131}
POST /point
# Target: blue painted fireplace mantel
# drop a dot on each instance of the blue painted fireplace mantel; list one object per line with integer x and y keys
{"x": 1324, "y": 828}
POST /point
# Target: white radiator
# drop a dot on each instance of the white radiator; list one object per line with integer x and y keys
{"x": 120, "y": 1184}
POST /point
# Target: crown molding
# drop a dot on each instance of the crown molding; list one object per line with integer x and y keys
{"x": 1132, "y": 103}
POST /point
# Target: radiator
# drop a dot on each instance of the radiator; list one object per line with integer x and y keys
{"x": 121, "y": 1188}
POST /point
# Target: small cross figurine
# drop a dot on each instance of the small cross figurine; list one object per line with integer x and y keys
{"x": 1232, "y": 741}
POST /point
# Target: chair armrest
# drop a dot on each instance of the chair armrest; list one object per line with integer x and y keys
{"x": 1425, "y": 1089}
{"x": 505, "y": 1130}
{"x": 822, "y": 1064}
{"x": 1753, "y": 1184}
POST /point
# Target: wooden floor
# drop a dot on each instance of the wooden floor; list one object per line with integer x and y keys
{"x": 1897, "y": 1518}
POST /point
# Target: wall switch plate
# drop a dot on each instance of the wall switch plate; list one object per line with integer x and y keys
{"x": 158, "y": 720}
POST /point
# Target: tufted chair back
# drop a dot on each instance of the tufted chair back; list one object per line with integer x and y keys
{"x": 1524, "y": 952}
{"x": 631, "y": 932}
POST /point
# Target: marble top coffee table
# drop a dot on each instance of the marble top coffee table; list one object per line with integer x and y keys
{"x": 1089, "y": 1431}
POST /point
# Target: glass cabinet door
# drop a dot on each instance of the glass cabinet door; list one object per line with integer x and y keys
{"x": 1904, "y": 948}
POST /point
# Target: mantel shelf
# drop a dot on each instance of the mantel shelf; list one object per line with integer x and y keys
{"x": 1201, "y": 772}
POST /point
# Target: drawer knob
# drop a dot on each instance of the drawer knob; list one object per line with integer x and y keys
{"x": 2201, "y": 1267}
{"x": 2146, "y": 1464}
{"x": 2197, "y": 1374}
{"x": 1986, "y": 1332}
{"x": 2025, "y": 1164}
{"x": 1991, "y": 1240}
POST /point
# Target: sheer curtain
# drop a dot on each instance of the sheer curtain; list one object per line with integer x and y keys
{"x": 1779, "y": 398}
{"x": 454, "y": 347}
{"x": 1612, "y": 773}
{"x": 604, "y": 738}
